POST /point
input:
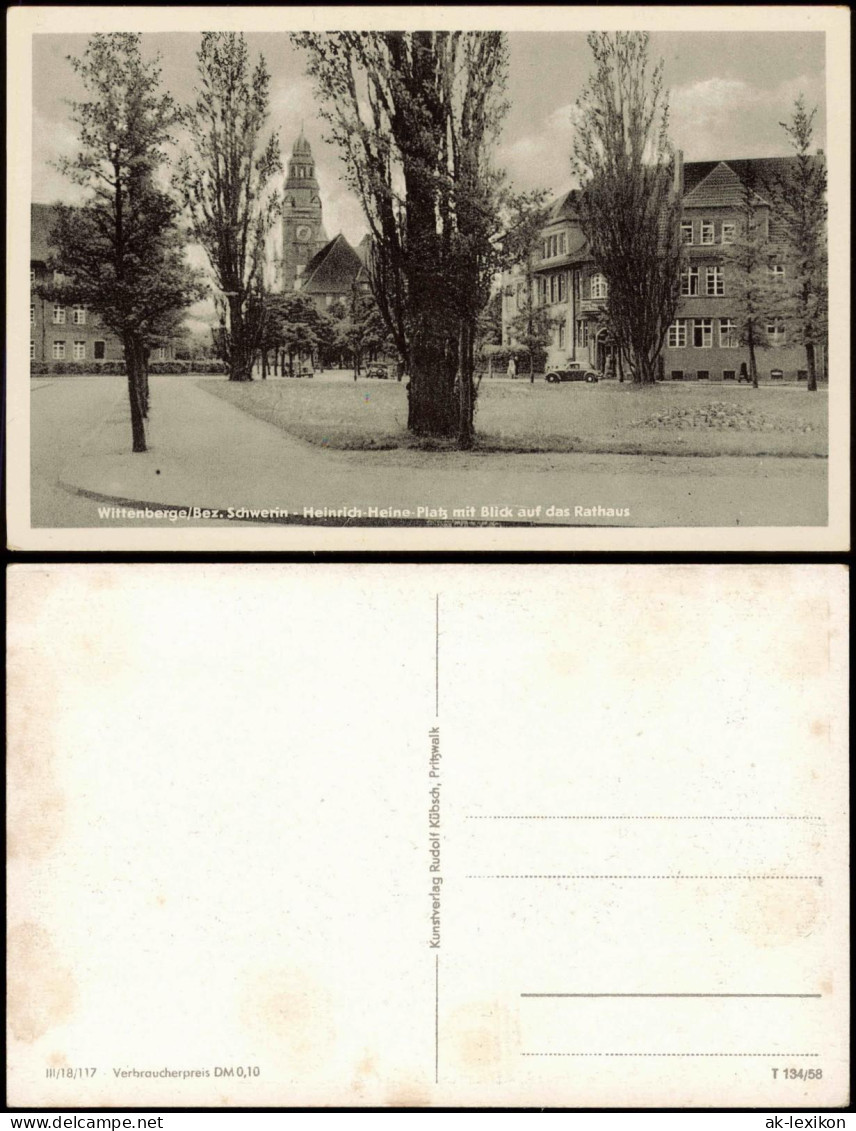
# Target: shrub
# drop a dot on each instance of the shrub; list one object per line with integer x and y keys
{"x": 117, "y": 368}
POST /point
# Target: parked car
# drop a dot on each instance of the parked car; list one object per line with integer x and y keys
{"x": 575, "y": 373}
{"x": 377, "y": 370}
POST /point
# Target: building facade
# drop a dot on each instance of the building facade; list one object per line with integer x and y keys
{"x": 58, "y": 332}
{"x": 702, "y": 343}
{"x": 67, "y": 333}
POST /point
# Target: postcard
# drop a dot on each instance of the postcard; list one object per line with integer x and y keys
{"x": 418, "y": 836}
{"x": 454, "y": 316}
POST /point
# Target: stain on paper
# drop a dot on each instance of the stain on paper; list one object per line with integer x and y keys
{"x": 290, "y": 1009}
{"x": 482, "y": 1041}
{"x": 778, "y": 914}
{"x": 41, "y": 992}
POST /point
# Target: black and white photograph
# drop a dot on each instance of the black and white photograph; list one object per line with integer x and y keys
{"x": 536, "y": 285}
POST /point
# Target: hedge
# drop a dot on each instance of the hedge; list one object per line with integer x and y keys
{"x": 117, "y": 368}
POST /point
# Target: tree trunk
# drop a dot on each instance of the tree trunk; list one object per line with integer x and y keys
{"x": 466, "y": 399}
{"x": 240, "y": 353}
{"x": 264, "y": 365}
{"x": 812, "y": 367}
{"x": 132, "y": 366}
{"x": 144, "y": 381}
{"x": 753, "y": 363}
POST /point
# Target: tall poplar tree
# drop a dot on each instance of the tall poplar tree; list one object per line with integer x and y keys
{"x": 629, "y": 208}
{"x": 225, "y": 183}
{"x": 415, "y": 115}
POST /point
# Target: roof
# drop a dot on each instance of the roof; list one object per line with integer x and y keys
{"x": 564, "y": 208}
{"x": 762, "y": 169}
{"x": 332, "y": 270}
{"x": 42, "y": 219}
{"x": 301, "y": 147}
{"x": 722, "y": 187}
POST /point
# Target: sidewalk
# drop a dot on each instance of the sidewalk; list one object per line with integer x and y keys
{"x": 205, "y": 453}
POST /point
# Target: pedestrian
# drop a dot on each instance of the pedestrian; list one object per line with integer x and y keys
{"x": 744, "y": 373}
{"x": 512, "y": 368}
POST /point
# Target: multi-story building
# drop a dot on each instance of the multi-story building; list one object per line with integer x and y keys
{"x": 66, "y": 333}
{"x": 702, "y": 343}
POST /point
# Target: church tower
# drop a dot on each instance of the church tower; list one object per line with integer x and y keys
{"x": 302, "y": 227}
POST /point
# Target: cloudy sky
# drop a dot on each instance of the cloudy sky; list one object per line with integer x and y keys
{"x": 728, "y": 93}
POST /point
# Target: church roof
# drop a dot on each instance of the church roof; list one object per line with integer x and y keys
{"x": 333, "y": 269}
{"x": 301, "y": 147}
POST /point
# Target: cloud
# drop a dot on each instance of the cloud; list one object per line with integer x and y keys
{"x": 52, "y": 140}
{"x": 721, "y": 118}
{"x": 542, "y": 158}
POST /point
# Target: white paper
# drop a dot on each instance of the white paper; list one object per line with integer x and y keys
{"x": 221, "y": 844}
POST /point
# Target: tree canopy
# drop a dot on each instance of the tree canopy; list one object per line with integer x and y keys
{"x": 415, "y": 115}
{"x": 121, "y": 253}
{"x": 226, "y": 183}
{"x": 629, "y": 208}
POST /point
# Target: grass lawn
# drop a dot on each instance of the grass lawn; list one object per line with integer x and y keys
{"x": 519, "y": 417}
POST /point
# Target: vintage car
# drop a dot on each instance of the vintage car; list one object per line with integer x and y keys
{"x": 572, "y": 373}
{"x": 377, "y": 370}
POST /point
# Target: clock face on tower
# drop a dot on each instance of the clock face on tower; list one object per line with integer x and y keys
{"x": 303, "y": 233}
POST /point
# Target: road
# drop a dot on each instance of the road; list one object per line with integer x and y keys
{"x": 64, "y": 412}
{"x": 206, "y": 453}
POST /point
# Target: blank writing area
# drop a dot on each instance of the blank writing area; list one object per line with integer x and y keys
{"x": 216, "y": 828}
{"x": 646, "y": 901}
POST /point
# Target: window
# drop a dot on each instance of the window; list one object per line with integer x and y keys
{"x": 98, "y": 350}
{"x": 32, "y": 314}
{"x": 689, "y": 281}
{"x": 563, "y": 286}
{"x": 78, "y": 315}
{"x": 729, "y": 375}
{"x": 561, "y": 335}
{"x": 160, "y": 352}
{"x": 677, "y": 374}
{"x": 58, "y": 350}
{"x": 678, "y": 333}
{"x": 58, "y": 314}
{"x": 79, "y": 351}
{"x": 703, "y": 375}
{"x": 728, "y": 333}
{"x": 777, "y": 273}
{"x": 776, "y": 333}
{"x": 32, "y": 275}
{"x": 728, "y": 231}
{"x": 687, "y": 232}
{"x": 776, "y": 375}
{"x": 703, "y": 332}
{"x": 714, "y": 281}
{"x": 541, "y": 296}
{"x": 598, "y": 286}
{"x": 545, "y": 249}
{"x": 582, "y": 332}
{"x": 707, "y": 231}
{"x": 562, "y": 244}
{"x": 32, "y": 350}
